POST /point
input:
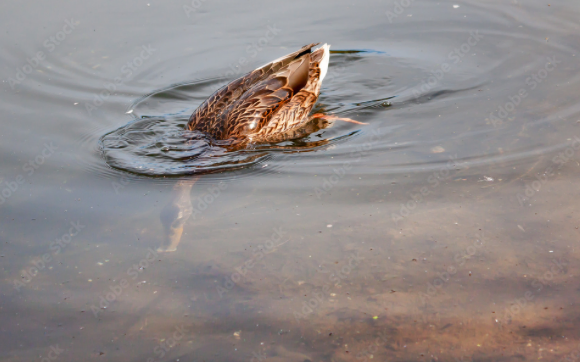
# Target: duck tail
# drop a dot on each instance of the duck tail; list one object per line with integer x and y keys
{"x": 324, "y": 62}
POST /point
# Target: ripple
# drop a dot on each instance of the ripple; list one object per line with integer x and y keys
{"x": 157, "y": 143}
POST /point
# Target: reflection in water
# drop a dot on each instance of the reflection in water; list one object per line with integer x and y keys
{"x": 176, "y": 213}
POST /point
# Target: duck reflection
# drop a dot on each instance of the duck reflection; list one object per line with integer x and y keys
{"x": 176, "y": 213}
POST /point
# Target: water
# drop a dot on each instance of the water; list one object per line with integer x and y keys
{"x": 442, "y": 230}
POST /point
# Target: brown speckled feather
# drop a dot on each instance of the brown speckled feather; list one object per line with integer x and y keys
{"x": 265, "y": 105}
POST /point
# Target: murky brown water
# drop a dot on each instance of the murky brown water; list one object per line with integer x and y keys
{"x": 445, "y": 230}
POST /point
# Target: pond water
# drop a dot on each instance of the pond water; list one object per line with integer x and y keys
{"x": 443, "y": 230}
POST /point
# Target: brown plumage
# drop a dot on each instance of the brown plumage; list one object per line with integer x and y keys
{"x": 269, "y": 104}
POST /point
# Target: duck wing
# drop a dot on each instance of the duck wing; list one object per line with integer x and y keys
{"x": 246, "y": 104}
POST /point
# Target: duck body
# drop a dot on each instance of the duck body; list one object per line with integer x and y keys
{"x": 269, "y": 104}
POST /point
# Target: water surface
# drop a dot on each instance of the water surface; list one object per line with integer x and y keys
{"x": 445, "y": 229}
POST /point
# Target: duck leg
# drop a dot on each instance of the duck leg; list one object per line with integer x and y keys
{"x": 335, "y": 118}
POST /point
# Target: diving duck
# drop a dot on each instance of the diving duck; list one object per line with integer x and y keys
{"x": 269, "y": 104}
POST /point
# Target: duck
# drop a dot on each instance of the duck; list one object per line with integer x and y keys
{"x": 269, "y": 104}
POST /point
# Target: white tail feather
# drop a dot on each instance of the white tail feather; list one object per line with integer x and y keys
{"x": 324, "y": 62}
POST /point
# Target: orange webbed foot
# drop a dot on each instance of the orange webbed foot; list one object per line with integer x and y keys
{"x": 335, "y": 118}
